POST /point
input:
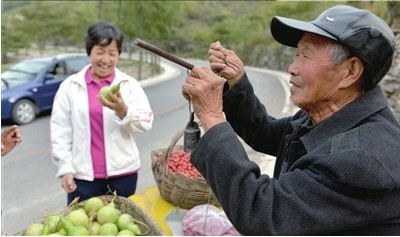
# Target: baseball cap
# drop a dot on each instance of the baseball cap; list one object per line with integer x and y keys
{"x": 364, "y": 34}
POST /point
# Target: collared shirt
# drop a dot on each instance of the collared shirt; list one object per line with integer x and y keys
{"x": 96, "y": 123}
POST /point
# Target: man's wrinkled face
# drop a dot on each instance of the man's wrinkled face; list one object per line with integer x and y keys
{"x": 314, "y": 77}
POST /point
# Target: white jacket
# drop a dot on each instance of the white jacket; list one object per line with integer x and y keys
{"x": 70, "y": 127}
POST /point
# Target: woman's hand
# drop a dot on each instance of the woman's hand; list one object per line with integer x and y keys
{"x": 68, "y": 183}
{"x": 117, "y": 104}
{"x": 225, "y": 63}
{"x": 204, "y": 89}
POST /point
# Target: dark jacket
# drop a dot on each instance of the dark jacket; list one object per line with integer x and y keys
{"x": 340, "y": 177}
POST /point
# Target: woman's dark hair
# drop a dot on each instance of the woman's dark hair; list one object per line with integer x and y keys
{"x": 103, "y": 33}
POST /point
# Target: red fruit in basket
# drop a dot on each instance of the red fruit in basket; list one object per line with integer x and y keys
{"x": 179, "y": 163}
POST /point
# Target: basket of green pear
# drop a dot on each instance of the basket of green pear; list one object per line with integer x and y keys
{"x": 108, "y": 215}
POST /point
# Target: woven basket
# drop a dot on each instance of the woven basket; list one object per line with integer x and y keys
{"x": 178, "y": 189}
{"x": 145, "y": 222}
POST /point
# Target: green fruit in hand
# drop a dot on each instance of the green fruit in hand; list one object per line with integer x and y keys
{"x": 114, "y": 89}
{"x": 104, "y": 92}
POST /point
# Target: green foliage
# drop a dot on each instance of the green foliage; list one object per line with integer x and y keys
{"x": 9, "y": 5}
{"x": 184, "y": 28}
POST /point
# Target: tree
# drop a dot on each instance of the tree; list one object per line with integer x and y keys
{"x": 11, "y": 42}
{"x": 150, "y": 20}
{"x": 184, "y": 28}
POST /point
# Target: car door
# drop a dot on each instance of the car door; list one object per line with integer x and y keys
{"x": 55, "y": 74}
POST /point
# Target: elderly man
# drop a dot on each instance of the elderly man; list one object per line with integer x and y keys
{"x": 337, "y": 166}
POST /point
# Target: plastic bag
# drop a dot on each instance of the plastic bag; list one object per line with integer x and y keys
{"x": 206, "y": 220}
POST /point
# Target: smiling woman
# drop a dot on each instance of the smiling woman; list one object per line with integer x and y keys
{"x": 109, "y": 160}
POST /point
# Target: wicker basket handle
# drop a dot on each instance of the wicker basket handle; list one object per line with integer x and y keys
{"x": 174, "y": 140}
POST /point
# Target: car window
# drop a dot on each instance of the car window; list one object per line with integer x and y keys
{"x": 59, "y": 69}
{"x": 24, "y": 71}
{"x": 76, "y": 64}
{"x": 32, "y": 67}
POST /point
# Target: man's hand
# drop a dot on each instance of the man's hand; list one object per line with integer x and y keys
{"x": 117, "y": 104}
{"x": 10, "y": 137}
{"x": 204, "y": 89}
{"x": 68, "y": 183}
{"x": 225, "y": 63}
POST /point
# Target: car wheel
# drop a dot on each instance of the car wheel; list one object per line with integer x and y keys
{"x": 23, "y": 112}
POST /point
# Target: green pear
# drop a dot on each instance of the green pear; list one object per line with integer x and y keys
{"x": 34, "y": 229}
{"x": 53, "y": 223}
{"x": 108, "y": 229}
{"x": 108, "y": 214}
{"x": 93, "y": 204}
{"x": 73, "y": 230}
{"x": 114, "y": 89}
{"x": 125, "y": 233}
{"x": 134, "y": 228}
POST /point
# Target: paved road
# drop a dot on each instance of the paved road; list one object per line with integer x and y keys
{"x": 29, "y": 187}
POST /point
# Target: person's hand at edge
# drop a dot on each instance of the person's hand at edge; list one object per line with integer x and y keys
{"x": 10, "y": 137}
